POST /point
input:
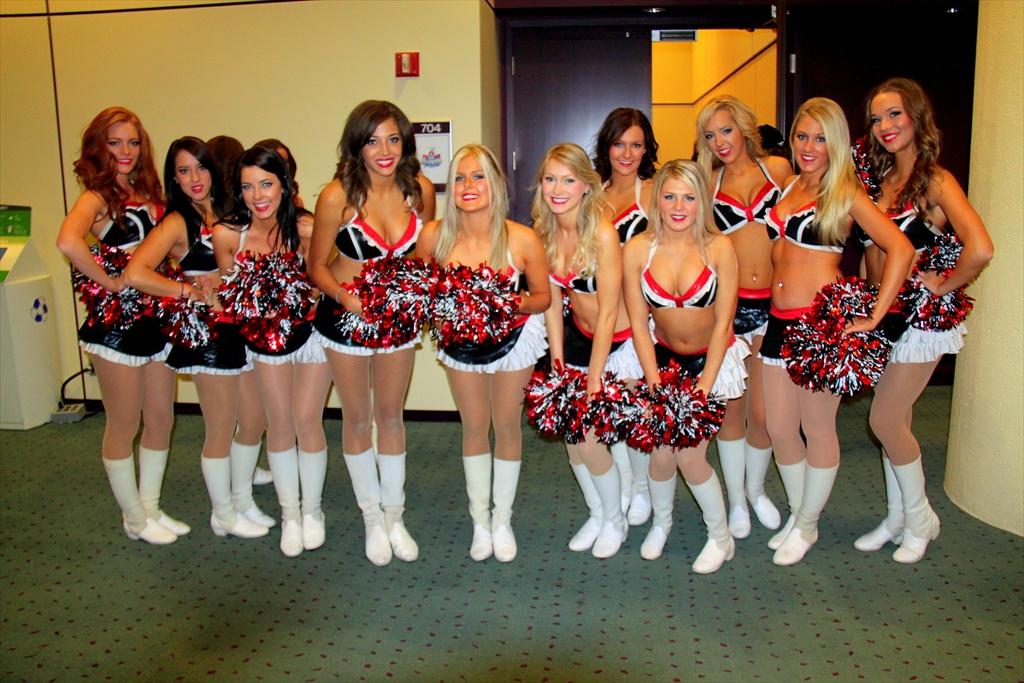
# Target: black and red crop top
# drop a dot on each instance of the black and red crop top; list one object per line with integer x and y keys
{"x": 730, "y": 214}
{"x": 800, "y": 227}
{"x": 358, "y": 241}
{"x": 131, "y": 227}
{"x": 700, "y": 294}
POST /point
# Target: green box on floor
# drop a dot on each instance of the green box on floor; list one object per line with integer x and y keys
{"x": 15, "y": 221}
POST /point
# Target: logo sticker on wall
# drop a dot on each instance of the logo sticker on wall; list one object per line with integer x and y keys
{"x": 40, "y": 311}
{"x": 434, "y": 149}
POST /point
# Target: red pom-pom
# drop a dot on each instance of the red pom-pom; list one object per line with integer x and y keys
{"x": 820, "y": 357}
{"x": 556, "y": 403}
{"x": 106, "y": 309}
{"x": 865, "y": 171}
{"x": 472, "y": 306}
{"x": 923, "y": 309}
{"x": 187, "y": 323}
{"x": 395, "y": 294}
{"x": 270, "y": 295}
{"x": 615, "y": 411}
{"x": 677, "y": 415}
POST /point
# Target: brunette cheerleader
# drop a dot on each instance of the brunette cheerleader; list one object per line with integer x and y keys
{"x": 293, "y": 381}
{"x": 811, "y": 222}
{"x": 487, "y": 379}
{"x": 624, "y": 157}
{"x": 747, "y": 183}
{"x": 373, "y": 208}
{"x": 681, "y": 275}
{"x": 924, "y": 200}
{"x": 585, "y": 257}
{"x": 195, "y": 202}
{"x": 122, "y": 201}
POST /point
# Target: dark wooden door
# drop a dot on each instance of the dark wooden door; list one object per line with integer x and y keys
{"x": 561, "y": 81}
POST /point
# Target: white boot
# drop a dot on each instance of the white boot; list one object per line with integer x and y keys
{"x": 478, "y": 490}
{"x": 758, "y": 460}
{"x": 922, "y": 524}
{"x": 260, "y": 476}
{"x": 392, "y": 499}
{"x": 663, "y": 496}
{"x": 733, "y": 458}
{"x": 720, "y": 546}
{"x": 585, "y": 537}
{"x": 225, "y": 519}
{"x": 506, "y": 479}
{"x": 243, "y": 463}
{"x": 640, "y": 505}
{"x": 362, "y": 469}
{"x": 614, "y": 526}
{"x": 285, "y": 466}
{"x": 620, "y": 454}
{"x": 151, "y": 480}
{"x": 312, "y": 473}
{"x": 793, "y": 481}
{"x": 121, "y": 475}
{"x": 818, "y": 483}
{"x": 891, "y": 528}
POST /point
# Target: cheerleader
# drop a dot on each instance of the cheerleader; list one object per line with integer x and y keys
{"x": 811, "y": 222}
{"x": 585, "y": 258}
{"x": 747, "y": 183}
{"x": 122, "y": 201}
{"x": 373, "y": 208}
{"x": 487, "y": 380}
{"x": 194, "y": 200}
{"x": 681, "y": 276}
{"x": 624, "y": 157}
{"x": 292, "y": 382}
{"x": 924, "y": 200}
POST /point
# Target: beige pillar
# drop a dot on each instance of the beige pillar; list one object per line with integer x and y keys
{"x": 985, "y": 464}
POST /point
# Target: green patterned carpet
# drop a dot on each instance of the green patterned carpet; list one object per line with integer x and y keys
{"x": 81, "y": 602}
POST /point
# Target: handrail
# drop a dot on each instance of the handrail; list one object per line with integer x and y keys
{"x": 727, "y": 77}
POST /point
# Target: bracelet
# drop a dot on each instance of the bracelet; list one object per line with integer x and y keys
{"x": 337, "y": 297}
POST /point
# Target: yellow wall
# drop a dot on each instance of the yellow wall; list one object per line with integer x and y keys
{"x": 287, "y": 70}
{"x": 984, "y": 468}
{"x": 681, "y": 74}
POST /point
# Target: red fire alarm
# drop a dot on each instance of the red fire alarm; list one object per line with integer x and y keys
{"x": 407, "y": 64}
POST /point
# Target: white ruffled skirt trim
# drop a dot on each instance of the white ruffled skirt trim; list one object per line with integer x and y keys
{"x": 532, "y": 344}
{"x": 925, "y": 346}
{"x": 308, "y": 354}
{"x": 207, "y": 370}
{"x": 107, "y": 353}
{"x": 748, "y": 337}
{"x": 331, "y": 345}
{"x": 732, "y": 376}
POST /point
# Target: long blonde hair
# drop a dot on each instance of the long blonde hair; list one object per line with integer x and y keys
{"x": 592, "y": 206}
{"x": 451, "y": 221}
{"x": 745, "y": 120}
{"x": 691, "y": 173}
{"x": 839, "y": 184}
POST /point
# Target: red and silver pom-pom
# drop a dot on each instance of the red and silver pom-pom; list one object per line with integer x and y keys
{"x": 472, "y": 306}
{"x": 925, "y": 310}
{"x": 187, "y": 323}
{"x": 615, "y": 411}
{"x": 556, "y": 403}
{"x": 678, "y": 415}
{"x": 865, "y": 171}
{"x": 821, "y": 357}
{"x": 270, "y": 296}
{"x": 106, "y": 309}
{"x": 395, "y": 295}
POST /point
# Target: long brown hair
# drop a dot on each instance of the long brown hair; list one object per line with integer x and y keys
{"x": 926, "y": 136}
{"x": 359, "y": 127}
{"x": 96, "y": 168}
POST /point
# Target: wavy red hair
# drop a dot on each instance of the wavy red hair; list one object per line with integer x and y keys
{"x": 97, "y": 170}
